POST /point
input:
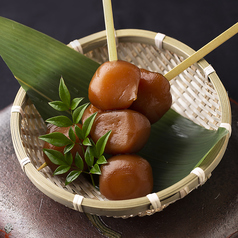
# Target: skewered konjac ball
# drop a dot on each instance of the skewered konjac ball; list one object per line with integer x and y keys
{"x": 154, "y": 98}
{"x": 126, "y": 177}
{"x": 65, "y": 131}
{"x": 130, "y": 129}
{"x": 114, "y": 85}
{"x": 91, "y": 109}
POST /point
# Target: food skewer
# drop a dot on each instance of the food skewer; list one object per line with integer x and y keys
{"x": 109, "y": 23}
{"x": 226, "y": 35}
{"x": 42, "y": 166}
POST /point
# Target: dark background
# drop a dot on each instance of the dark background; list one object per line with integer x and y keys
{"x": 194, "y": 23}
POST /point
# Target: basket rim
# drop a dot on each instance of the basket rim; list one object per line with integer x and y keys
{"x": 131, "y": 206}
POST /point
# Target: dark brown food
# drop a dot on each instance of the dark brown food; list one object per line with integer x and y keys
{"x": 154, "y": 98}
{"x": 76, "y": 148}
{"x": 126, "y": 177}
{"x": 130, "y": 130}
{"x": 114, "y": 85}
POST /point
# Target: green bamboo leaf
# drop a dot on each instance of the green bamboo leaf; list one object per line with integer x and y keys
{"x": 56, "y": 139}
{"x": 59, "y": 106}
{"x": 75, "y": 102}
{"x": 72, "y": 176}
{"x": 38, "y": 62}
{"x": 176, "y": 146}
{"x": 62, "y": 169}
{"x": 60, "y": 121}
{"x": 55, "y": 156}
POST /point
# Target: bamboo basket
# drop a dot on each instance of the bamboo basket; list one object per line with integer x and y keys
{"x": 197, "y": 94}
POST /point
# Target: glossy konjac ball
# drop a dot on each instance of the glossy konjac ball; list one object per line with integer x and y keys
{"x": 154, "y": 98}
{"x": 76, "y": 148}
{"x": 91, "y": 109}
{"x": 126, "y": 177}
{"x": 114, "y": 85}
{"x": 130, "y": 130}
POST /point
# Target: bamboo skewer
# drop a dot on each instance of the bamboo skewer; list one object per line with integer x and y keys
{"x": 42, "y": 166}
{"x": 202, "y": 52}
{"x": 111, "y": 41}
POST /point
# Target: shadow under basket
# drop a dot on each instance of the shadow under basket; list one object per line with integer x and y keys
{"x": 197, "y": 95}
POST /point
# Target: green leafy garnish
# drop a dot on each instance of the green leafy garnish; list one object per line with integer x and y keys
{"x": 92, "y": 153}
{"x": 56, "y": 139}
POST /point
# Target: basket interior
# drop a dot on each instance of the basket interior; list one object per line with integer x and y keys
{"x": 193, "y": 94}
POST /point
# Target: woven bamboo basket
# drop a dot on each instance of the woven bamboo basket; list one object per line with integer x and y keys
{"x": 197, "y": 94}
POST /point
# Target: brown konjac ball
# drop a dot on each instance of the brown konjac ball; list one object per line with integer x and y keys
{"x": 154, "y": 98}
{"x": 130, "y": 130}
{"x": 114, "y": 85}
{"x": 65, "y": 131}
{"x": 126, "y": 177}
{"x": 91, "y": 109}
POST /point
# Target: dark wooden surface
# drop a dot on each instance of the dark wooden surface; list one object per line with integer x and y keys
{"x": 211, "y": 211}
